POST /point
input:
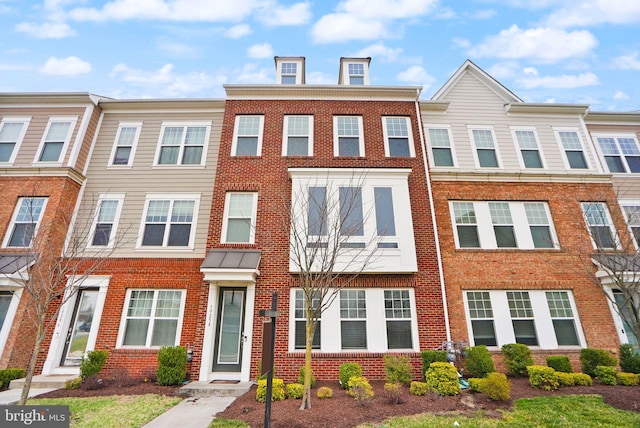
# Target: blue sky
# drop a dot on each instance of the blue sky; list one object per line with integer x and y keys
{"x": 564, "y": 51}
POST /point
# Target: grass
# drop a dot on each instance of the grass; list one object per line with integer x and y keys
{"x": 117, "y": 411}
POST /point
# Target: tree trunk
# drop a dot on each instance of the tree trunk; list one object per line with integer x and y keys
{"x": 306, "y": 395}
{"x": 31, "y": 368}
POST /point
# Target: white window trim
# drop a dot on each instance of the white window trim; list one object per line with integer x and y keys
{"x": 541, "y": 315}
{"x": 345, "y": 72}
{"x": 470, "y": 129}
{"x": 629, "y": 203}
{"x": 114, "y": 229}
{"x": 11, "y": 314}
{"x": 412, "y": 150}
{"x": 252, "y": 225}
{"x": 336, "y": 145}
{"x": 556, "y": 132}
{"x": 25, "y": 125}
{"x": 615, "y": 136}
{"x": 519, "y": 149}
{"x": 234, "y": 143}
{"x": 10, "y": 227}
{"x": 610, "y": 224}
{"x": 65, "y": 145}
{"x": 431, "y": 147}
{"x": 184, "y": 125}
{"x": 279, "y": 74}
{"x": 285, "y": 134}
{"x": 134, "y": 145}
{"x": 123, "y": 317}
{"x": 195, "y": 197}
{"x": 521, "y": 226}
{"x": 330, "y": 340}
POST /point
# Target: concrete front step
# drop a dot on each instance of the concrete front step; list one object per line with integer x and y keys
{"x": 43, "y": 381}
{"x": 215, "y": 389}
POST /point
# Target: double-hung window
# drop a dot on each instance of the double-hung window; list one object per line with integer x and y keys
{"x": 124, "y": 147}
{"x": 240, "y": 217}
{"x": 247, "y": 138}
{"x": 169, "y": 221}
{"x": 481, "y": 318}
{"x": 298, "y": 136}
{"x": 561, "y": 313}
{"x": 441, "y": 147}
{"x": 485, "y": 144}
{"x": 502, "y": 225}
{"x": 183, "y": 144}
{"x": 12, "y": 131}
{"x": 105, "y": 223}
{"x": 288, "y": 73}
{"x": 631, "y": 210}
{"x": 600, "y": 225}
{"x": 398, "y": 139}
{"x": 353, "y": 319}
{"x": 527, "y": 141}
{"x": 522, "y": 319}
{"x": 56, "y": 138}
{"x": 25, "y": 222}
{"x": 300, "y": 315}
{"x": 620, "y": 152}
{"x": 356, "y": 74}
{"x": 397, "y": 312}
{"x": 153, "y": 318}
{"x": 348, "y": 136}
{"x": 572, "y": 148}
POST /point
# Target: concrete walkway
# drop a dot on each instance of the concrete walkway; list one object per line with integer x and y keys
{"x": 12, "y": 396}
{"x": 192, "y": 412}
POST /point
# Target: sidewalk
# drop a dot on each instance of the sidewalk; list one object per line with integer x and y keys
{"x": 192, "y": 412}
{"x": 12, "y": 396}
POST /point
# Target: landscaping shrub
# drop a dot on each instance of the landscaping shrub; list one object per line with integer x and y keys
{"x": 294, "y": 390}
{"x": 565, "y": 379}
{"x": 277, "y": 390}
{"x": 429, "y": 357}
{"x": 7, "y": 375}
{"x": 398, "y": 368}
{"x": 543, "y": 377}
{"x": 325, "y": 392}
{"x": 627, "y": 379}
{"x": 347, "y": 371}
{"x": 479, "y": 362}
{"x": 301, "y": 377}
{"x": 73, "y": 383}
{"x": 443, "y": 379}
{"x": 629, "y": 359}
{"x": 517, "y": 357}
{"x": 93, "y": 383}
{"x": 582, "y": 379}
{"x": 606, "y": 374}
{"x": 393, "y": 391}
{"x": 496, "y": 386}
{"x": 475, "y": 383}
{"x": 419, "y": 388}
{"x": 360, "y": 389}
{"x": 93, "y": 363}
{"x": 560, "y": 363}
{"x": 590, "y": 358}
{"x": 172, "y": 365}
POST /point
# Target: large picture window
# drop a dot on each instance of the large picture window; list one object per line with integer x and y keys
{"x": 182, "y": 144}
{"x": 169, "y": 221}
{"x": 153, "y": 318}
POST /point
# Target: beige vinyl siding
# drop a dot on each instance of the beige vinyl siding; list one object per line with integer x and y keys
{"x": 88, "y": 139}
{"x": 142, "y": 178}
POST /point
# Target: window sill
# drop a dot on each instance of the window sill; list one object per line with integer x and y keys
{"x": 178, "y": 166}
{"x": 165, "y": 249}
{"x": 513, "y": 250}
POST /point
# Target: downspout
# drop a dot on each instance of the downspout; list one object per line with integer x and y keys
{"x": 433, "y": 218}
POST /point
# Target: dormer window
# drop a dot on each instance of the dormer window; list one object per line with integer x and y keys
{"x": 354, "y": 71}
{"x": 356, "y": 74}
{"x": 289, "y": 70}
{"x": 288, "y": 76}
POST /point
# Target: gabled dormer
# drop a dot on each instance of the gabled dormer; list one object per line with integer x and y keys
{"x": 289, "y": 70}
{"x": 354, "y": 71}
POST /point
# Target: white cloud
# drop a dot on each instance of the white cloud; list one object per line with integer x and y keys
{"x": 627, "y": 62}
{"x": 379, "y": 51}
{"x": 565, "y": 81}
{"x": 619, "y": 95}
{"x": 47, "y": 30}
{"x": 320, "y": 78}
{"x": 530, "y": 70}
{"x": 179, "y": 50}
{"x": 483, "y": 14}
{"x": 595, "y": 12}
{"x": 387, "y": 9}
{"x": 251, "y": 74}
{"x": 238, "y": 31}
{"x": 161, "y": 76}
{"x": 461, "y": 42}
{"x": 504, "y": 70}
{"x": 70, "y": 66}
{"x": 342, "y": 27}
{"x": 416, "y": 74}
{"x": 279, "y": 15}
{"x": 261, "y": 50}
{"x": 536, "y": 44}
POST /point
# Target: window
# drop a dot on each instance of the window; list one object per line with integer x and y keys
{"x": 398, "y": 140}
{"x": 486, "y": 151}
{"x": 153, "y": 318}
{"x": 300, "y": 315}
{"x": 124, "y": 146}
{"x": 441, "y": 148}
{"x": 289, "y": 72}
{"x": 182, "y": 144}
{"x": 532, "y": 317}
{"x": 348, "y": 139}
{"x": 501, "y": 224}
{"x": 385, "y": 217}
{"x": 351, "y": 214}
{"x": 527, "y": 141}
{"x": 573, "y": 150}
{"x": 631, "y": 210}
{"x": 356, "y": 74}
{"x": 600, "y": 225}
{"x": 169, "y": 221}
{"x": 5, "y": 302}
{"x": 621, "y": 153}
{"x": 298, "y": 136}
{"x": 25, "y": 222}
{"x": 353, "y": 319}
{"x": 240, "y": 218}
{"x": 56, "y": 137}
{"x": 105, "y": 222}
{"x": 12, "y": 131}
{"x": 397, "y": 311}
{"x": 247, "y": 139}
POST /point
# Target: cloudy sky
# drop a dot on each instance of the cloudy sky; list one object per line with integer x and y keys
{"x": 564, "y": 51}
